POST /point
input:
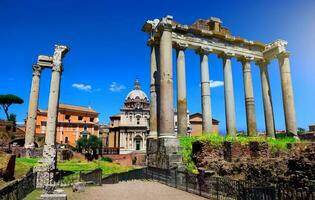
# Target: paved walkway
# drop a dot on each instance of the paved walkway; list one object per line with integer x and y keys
{"x": 132, "y": 190}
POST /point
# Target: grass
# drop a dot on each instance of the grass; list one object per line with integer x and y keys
{"x": 279, "y": 144}
{"x": 23, "y": 165}
{"x": 33, "y": 195}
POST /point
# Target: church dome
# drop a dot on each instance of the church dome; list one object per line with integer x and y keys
{"x": 137, "y": 93}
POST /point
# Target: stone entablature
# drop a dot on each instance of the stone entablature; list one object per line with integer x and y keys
{"x": 212, "y": 36}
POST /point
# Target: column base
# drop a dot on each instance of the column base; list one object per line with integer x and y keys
{"x": 46, "y": 167}
{"x": 163, "y": 153}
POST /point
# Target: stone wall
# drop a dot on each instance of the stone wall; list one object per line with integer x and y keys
{"x": 131, "y": 159}
{"x": 7, "y": 166}
{"x": 255, "y": 162}
{"x": 19, "y": 189}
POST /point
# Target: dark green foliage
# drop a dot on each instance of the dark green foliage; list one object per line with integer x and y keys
{"x": 89, "y": 144}
{"x": 7, "y": 100}
{"x": 107, "y": 159}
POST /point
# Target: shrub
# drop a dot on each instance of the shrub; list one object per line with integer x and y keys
{"x": 106, "y": 159}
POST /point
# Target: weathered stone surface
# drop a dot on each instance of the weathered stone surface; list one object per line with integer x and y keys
{"x": 78, "y": 187}
{"x": 7, "y": 166}
{"x": 163, "y": 153}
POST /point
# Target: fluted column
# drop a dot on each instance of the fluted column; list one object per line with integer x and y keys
{"x": 166, "y": 118}
{"x": 229, "y": 95}
{"x": 205, "y": 92}
{"x": 32, "y": 108}
{"x": 267, "y": 100}
{"x": 287, "y": 93}
{"x": 53, "y": 103}
{"x": 249, "y": 97}
{"x": 181, "y": 90}
{"x": 154, "y": 89}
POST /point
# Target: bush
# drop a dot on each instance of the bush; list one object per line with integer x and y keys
{"x": 106, "y": 159}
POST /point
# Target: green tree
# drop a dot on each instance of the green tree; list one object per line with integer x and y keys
{"x": 7, "y": 100}
{"x": 300, "y": 130}
{"x": 89, "y": 144}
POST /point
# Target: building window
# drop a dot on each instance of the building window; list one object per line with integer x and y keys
{"x": 66, "y": 140}
{"x": 67, "y": 117}
{"x": 138, "y": 121}
{"x": 91, "y": 119}
{"x": 80, "y": 118}
{"x": 130, "y": 118}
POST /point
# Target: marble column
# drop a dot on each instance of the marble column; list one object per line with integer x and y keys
{"x": 229, "y": 95}
{"x": 53, "y": 102}
{"x": 32, "y": 108}
{"x": 267, "y": 100}
{"x": 166, "y": 114}
{"x": 205, "y": 92}
{"x": 249, "y": 97}
{"x": 154, "y": 89}
{"x": 287, "y": 94}
{"x": 181, "y": 91}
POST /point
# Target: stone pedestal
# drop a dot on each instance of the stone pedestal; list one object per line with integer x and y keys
{"x": 163, "y": 153}
{"x": 46, "y": 167}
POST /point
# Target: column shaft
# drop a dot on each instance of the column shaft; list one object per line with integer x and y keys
{"x": 53, "y": 105}
{"x": 32, "y": 108}
{"x": 229, "y": 96}
{"x": 249, "y": 99}
{"x": 166, "y": 118}
{"x": 181, "y": 94}
{"x": 205, "y": 95}
{"x": 287, "y": 94}
{"x": 154, "y": 87}
{"x": 267, "y": 100}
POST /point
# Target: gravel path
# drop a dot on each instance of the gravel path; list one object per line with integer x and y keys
{"x": 132, "y": 190}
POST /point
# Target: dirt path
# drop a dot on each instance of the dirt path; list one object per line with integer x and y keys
{"x": 132, "y": 190}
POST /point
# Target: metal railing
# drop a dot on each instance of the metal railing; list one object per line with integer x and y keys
{"x": 214, "y": 187}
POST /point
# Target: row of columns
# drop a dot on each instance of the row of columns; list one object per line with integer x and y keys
{"x": 55, "y": 63}
{"x": 161, "y": 111}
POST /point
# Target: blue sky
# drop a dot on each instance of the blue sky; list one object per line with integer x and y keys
{"x": 108, "y": 51}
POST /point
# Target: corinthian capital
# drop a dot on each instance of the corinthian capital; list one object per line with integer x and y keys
{"x": 226, "y": 55}
{"x": 263, "y": 62}
{"x": 245, "y": 59}
{"x": 284, "y": 54}
{"x": 36, "y": 70}
{"x": 60, "y": 52}
{"x": 203, "y": 50}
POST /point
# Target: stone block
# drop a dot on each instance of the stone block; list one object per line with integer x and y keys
{"x": 53, "y": 197}
{"x": 78, "y": 187}
{"x": 259, "y": 149}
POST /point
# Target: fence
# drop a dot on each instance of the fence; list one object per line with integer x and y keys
{"x": 19, "y": 189}
{"x": 214, "y": 187}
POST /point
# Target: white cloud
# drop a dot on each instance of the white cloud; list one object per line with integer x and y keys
{"x": 116, "y": 87}
{"x": 81, "y": 86}
{"x": 214, "y": 84}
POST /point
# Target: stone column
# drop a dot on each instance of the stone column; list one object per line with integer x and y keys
{"x": 166, "y": 118}
{"x": 287, "y": 94}
{"x": 32, "y": 108}
{"x": 229, "y": 95}
{"x": 154, "y": 90}
{"x": 249, "y": 97}
{"x": 205, "y": 92}
{"x": 181, "y": 91}
{"x": 267, "y": 100}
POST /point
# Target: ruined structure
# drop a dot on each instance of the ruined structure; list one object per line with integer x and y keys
{"x": 46, "y": 169}
{"x": 205, "y": 37}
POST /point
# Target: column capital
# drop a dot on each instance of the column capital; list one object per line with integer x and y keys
{"x": 60, "y": 52}
{"x": 245, "y": 59}
{"x": 180, "y": 45}
{"x": 152, "y": 43}
{"x": 203, "y": 50}
{"x": 263, "y": 62}
{"x": 284, "y": 54}
{"x": 36, "y": 70}
{"x": 226, "y": 55}
{"x": 166, "y": 26}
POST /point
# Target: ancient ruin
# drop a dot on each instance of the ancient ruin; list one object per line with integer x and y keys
{"x": 205, "y": 37}
{"x": 46, "y": 169}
